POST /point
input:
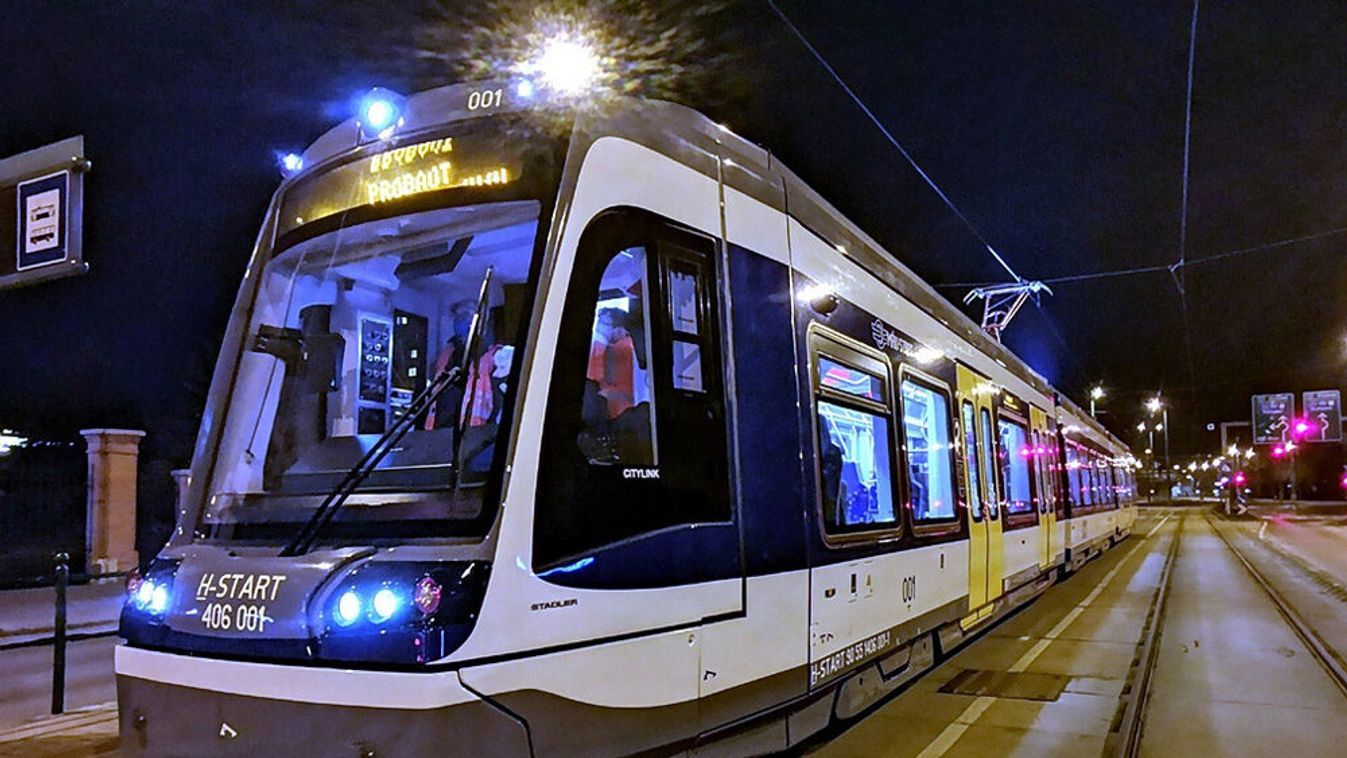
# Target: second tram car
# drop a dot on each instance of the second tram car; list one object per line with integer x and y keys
{"x": 605, "y": 440}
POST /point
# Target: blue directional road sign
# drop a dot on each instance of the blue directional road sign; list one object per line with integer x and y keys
{"x": 1272, "y": 417}
{"x": 1324, "y": 410}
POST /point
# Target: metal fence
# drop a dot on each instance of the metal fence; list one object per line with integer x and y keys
{"x": 42, "y": 510}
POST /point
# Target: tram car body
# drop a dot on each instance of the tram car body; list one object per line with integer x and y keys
{"x": 717, "y": 469}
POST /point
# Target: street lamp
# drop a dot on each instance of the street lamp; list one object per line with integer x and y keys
{"x": 1096, "y": 394}
{"x": 1157, "y": 405}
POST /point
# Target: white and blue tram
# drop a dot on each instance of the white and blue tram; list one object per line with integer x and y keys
{"x": 603, "y": 440}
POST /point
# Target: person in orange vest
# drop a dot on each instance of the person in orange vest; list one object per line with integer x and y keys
{"x": 612, "y": 361}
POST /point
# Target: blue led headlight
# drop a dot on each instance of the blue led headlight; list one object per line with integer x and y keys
{"x": 400, "y": 612}
{"x": 151, "y": 595}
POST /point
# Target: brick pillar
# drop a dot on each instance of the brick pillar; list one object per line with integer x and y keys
{"x": 183, "y": 478}
{"x": 111, "y": 539}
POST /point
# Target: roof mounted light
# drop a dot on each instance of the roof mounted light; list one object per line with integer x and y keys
{"x": 380, "y": 114}
{"x": 289, "y": 163}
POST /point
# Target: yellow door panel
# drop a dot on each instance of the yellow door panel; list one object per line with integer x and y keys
{"x": 976, "y": 494}
{"x": 980, "y": 482}
{"x": 1047, "y": 512}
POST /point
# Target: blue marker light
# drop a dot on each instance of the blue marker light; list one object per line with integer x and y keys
{"x": 524, "y": 88}
{"x": 380, "y": 113}
{"x": 290, "y": 163}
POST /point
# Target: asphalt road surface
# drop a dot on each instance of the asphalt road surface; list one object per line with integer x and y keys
{"x": 26, "y": 676}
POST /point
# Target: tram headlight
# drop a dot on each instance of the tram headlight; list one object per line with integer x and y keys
{"x": 144, "y": 594}
{"x": 398, "y": 611}
{"x": 386, "y": 603}
{"x": 348, "y": 608}
{"x": 151, "y": 593}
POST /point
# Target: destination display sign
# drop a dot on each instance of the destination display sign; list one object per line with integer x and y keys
{"x": 1272, "y": 416}
{"x": 400, "y": 172}
{"x": 41, "y": 213}
{"x": 1323, "y": 408}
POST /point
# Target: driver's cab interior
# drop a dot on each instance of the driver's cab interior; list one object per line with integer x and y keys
{"x": 351, "y": 325}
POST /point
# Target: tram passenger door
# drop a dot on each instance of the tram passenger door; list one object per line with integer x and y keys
{"x": 984, "y": 524}
{"x": 1045, "y": 478}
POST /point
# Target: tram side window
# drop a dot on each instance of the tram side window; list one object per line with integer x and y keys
{"x": 1074, "y": 476}
{"x": 634, "y": 438}
{"x": 854, "y": 442}
{"x": 970, "y": 453}
{"x": 929, "y": 451}
{"x": 1014, "y": 453}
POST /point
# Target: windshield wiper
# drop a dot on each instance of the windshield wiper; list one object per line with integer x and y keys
{"x": 449, "y": 377}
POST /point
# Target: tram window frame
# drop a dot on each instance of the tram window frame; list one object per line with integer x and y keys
{"x": 1041, "y": 482}
{"x": 567, "y": 523}
{"x": 1050, "y": 470}
{"x": 991, "y": 462}
{"x": 972, "y": 461}
{"x": 826, "y": 344}
{"x": 1023, "y": 518}
{"x": 937, "y": 525}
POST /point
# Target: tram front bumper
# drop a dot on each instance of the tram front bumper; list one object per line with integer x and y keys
{"x": 174, "y": 705}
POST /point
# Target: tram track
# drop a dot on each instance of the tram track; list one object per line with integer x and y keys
{"x": 1323, "y": 653}
{"x": 1124, "y": 738}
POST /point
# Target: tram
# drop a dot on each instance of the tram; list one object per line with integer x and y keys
{"x": 606, "y": 439}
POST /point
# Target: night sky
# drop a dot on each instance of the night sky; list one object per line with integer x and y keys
{"x": 1057, "y": 128}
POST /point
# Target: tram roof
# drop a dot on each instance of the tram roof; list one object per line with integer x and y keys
{"x": 692, "y": 138}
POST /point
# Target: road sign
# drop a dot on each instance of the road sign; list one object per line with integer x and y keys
{"x": 1272, "y": 417}
{"x": 1324, "y": 410}
{"x": 42, "y": 213}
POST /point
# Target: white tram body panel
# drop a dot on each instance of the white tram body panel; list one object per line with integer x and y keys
{"x": 893, "y": 481}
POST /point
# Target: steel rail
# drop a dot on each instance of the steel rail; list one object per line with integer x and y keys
{"x": 1124, "y": 739}
{"x": 1322, "y": 651}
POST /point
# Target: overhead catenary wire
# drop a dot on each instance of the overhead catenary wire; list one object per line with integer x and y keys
{"x": 1112, "y": 273}
{"x": 888, "y": 135}
{"x": 1178, "y": 270}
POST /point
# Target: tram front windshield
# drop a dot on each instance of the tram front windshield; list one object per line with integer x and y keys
{"x": 348, "y": 327}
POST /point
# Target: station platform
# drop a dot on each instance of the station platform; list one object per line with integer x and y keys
{"x": 1200, "y": 635}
